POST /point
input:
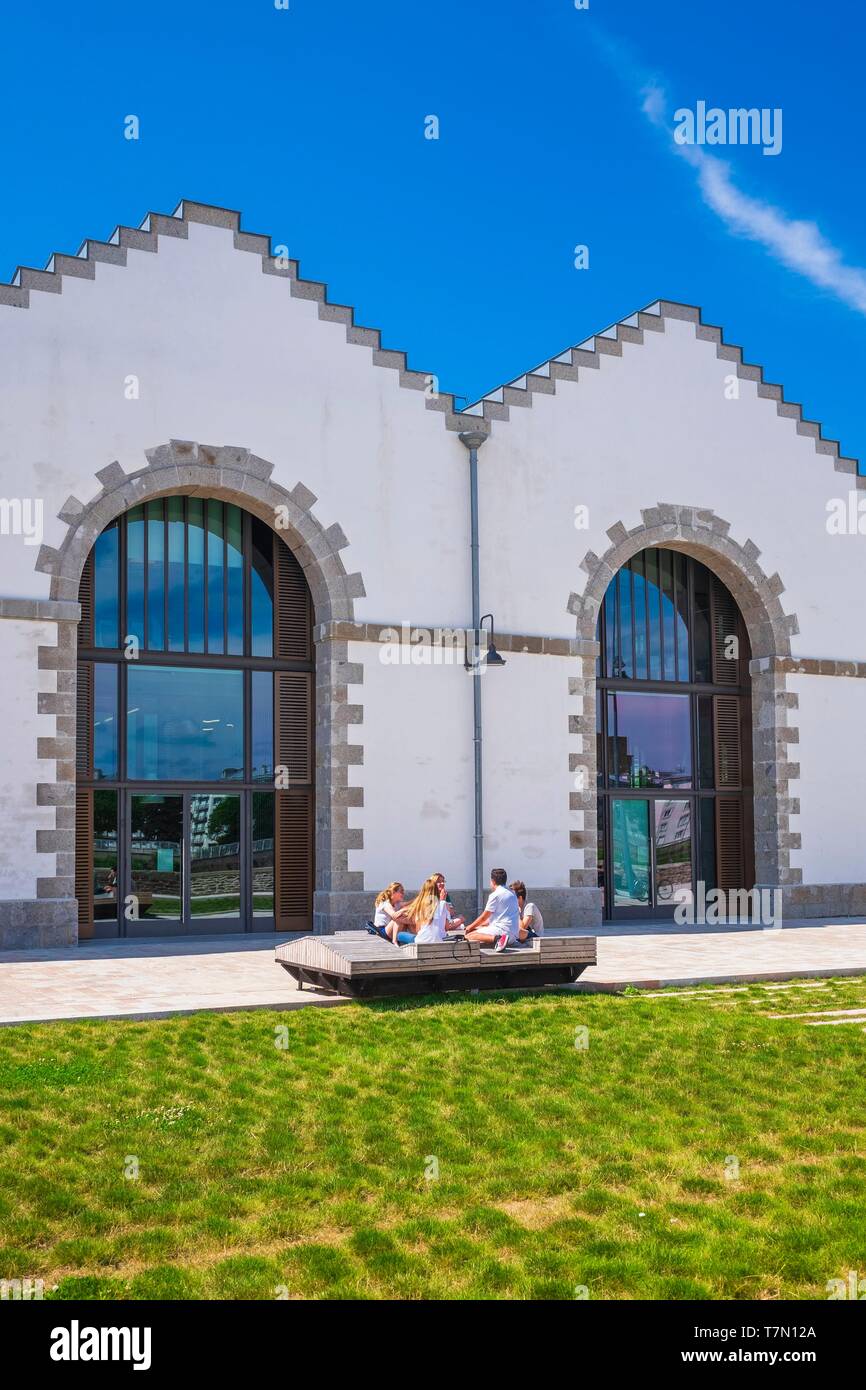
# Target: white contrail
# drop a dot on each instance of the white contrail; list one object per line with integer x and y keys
{"x": 799, "y": 245}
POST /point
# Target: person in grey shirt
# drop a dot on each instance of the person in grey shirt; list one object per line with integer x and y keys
{"x": 499, "y": 923}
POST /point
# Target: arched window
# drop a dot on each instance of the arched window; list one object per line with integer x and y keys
{"x": 194, "y": 770}
{"x": 673, "y": 737}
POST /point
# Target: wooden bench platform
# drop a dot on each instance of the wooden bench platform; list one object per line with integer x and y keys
{"x": 362, "y": 966}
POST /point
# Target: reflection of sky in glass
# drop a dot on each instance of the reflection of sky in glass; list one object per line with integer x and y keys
{"x": 176, "y": 533}
{"x": 195, "y": 573}
{"x": 135, "y": 574}
{"x": 261, "y": 590}
{"x": 646, "y": 615}
{"x": 104, "y": 720}
{"x": 184, "y": 724}
{"x": 656, "y": 731}
{"x": 263, "y": 725}
{"x": 105, "y": 561}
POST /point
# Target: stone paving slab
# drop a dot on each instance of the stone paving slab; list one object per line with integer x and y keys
{"x": 148, "y": 979}
{"x": 158, "y": 979}
{"x": 650, "y": 958}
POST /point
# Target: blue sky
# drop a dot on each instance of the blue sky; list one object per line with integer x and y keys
{"x": 311, "y": 122}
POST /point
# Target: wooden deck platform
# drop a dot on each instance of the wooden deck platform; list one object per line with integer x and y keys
{"x": 362, "y": 966}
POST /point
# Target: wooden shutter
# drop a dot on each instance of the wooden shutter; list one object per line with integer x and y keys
{"x": 725, "y": 618}
{"x": 727, "y": 741}
{"x": 730, "y": 858}
{"x": 293, "y": 745}
{"x": 84, "y": 721}
{"x": 84, "y": 759}
{"x": 293, "y": 853}
{"x": 85, "y": 598}
{"x": 84, "y": 860}
{"x": 293, "y": 612}
{"x": 293, "y": 723}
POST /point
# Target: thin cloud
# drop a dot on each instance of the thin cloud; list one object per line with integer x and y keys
{"x": 799, "y": 245}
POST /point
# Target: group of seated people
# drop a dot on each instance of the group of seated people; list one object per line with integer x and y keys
{"x": 507, "y": 920}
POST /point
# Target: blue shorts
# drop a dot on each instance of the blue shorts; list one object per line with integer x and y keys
{"x": 405, "y": 938}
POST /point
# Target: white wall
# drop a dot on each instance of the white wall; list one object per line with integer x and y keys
{"x": 418, "y": 813}
{"x": 655, "y": 426}
{"x": 832, "y": 758}
{"x": 527, "y": 783}
{"x": 225, "y": 355}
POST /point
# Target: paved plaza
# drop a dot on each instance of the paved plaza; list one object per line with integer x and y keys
{"x": 156, "y": 979}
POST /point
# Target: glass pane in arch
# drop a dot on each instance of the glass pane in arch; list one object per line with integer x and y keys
{"x": 234, "y": 581}
{"x": 105, "y": 847}
{"x": 651, "y": 559}
{"x": 105, "y": 720}
{"x": 707, "y": 862}
{"x": 262, "y": 721}
{"x": 214, "y": 855}
{"x": 195, "y": 574}
{"x": 106, "y": 571}
{"x": 610, "y": 628}
{"x": 135, "y": 575}
{"x": 681, "y": 581}
{"x": 630, "y": 864}
{"x": 649, "y": 738}
{"x": 263, "y": 853}
{"x": 176, "y": 574}
{"x": 701, "y": 636}
{"x": 262, "y": 588}
{"x": 672, "y": 828}
{"x": 215, "y": 572}
{"x": 156, "y": 855}
{"x": 156, "y": 576}
{"x": 625, "y": 668}
{"x": 184, "y": 724}
{"x": 641, "y": 667}
{"x": 666, "y": 586}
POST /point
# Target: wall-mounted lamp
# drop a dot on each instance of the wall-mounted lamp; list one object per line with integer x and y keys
{"x": 491, "y": 656}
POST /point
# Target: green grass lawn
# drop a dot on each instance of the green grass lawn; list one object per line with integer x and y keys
{"x": 303, "y": 1172}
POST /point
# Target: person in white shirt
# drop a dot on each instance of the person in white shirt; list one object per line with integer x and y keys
{"x": 531, "y": 920}
{"x": 428, "y": 913}
{"x": 389, "y": 915}
{"x": 499, "y": 923}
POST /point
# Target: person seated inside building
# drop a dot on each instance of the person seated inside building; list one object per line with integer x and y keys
{"x": 499, "y": 923}
{"x": 531, "y": 920}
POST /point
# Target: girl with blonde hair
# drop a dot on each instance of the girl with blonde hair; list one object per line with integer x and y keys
{"x": 428, "y": 911}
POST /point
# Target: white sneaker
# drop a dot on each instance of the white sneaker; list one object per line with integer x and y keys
{"x": 501, "y": 942}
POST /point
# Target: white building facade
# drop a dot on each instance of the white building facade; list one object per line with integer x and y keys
{"x": 648, "y": 508}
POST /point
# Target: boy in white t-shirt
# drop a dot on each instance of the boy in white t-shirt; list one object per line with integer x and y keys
{"x": 499, "y": 923}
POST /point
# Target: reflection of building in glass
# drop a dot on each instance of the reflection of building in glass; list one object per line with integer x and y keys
{"x": 633, "y": 772}
{"x": 200, "y": 809}
{"x": 674, "y": 824}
